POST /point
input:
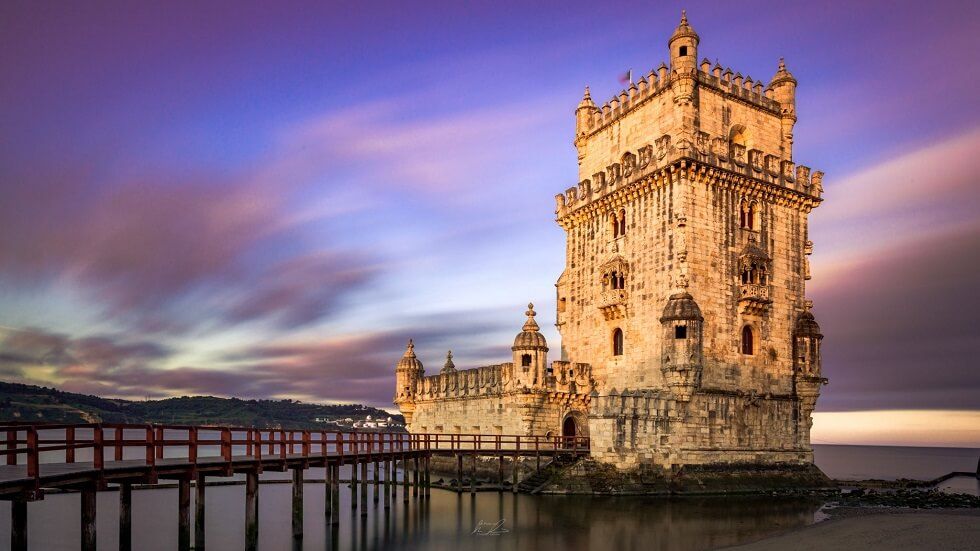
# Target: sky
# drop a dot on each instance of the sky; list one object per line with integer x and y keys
{"x": 251, "y": 200}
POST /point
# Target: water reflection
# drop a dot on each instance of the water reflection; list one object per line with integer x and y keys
{"x": 445, "y": 521}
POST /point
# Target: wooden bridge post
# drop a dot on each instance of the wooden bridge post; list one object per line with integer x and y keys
{"x": 18, "y": 525}
{"x": 415, "y": 476}
{"x": 88, "y": 518}
{"x": 297, "y": 504}
{"x": 252, "y": 511}
{"x": 199, "y": 518}
{"x": 353, "y": 483}
{"x": 500, "y": 473}
{"x": 377, "y": 481}
{"x": 328, "y": 483}
{"x": 125, "y": 516}
{"x": 517, "y": 456}
{"x": 459, "y": 473}
{"x": 335, "y": 495}
{"x": 393, "y": 474}
{"x": 364, "y": 486}
{"x": 387, "y": 473}
{"x": 404, "y": 478}
{"x": 184, "y": 514}
{"x": 473, "y": 475}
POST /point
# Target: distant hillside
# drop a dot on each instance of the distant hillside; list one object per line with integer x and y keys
{"x": 34, "y": 403}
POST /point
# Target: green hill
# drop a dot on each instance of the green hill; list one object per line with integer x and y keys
{"x": 20, "y": 402}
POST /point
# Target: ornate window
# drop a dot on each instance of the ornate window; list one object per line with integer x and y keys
{"x": 748, "y": 215}
{"x": 617, "y": 280}
{"x": 622, "y": 222}
{"x": 617, "y": 342}
{"x": 747, "y": 341}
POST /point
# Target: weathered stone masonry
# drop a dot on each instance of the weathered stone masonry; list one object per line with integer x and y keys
{"x": 686, "y": 334}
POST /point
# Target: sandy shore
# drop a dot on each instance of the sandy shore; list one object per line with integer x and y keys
{"x": 946, "y": 530}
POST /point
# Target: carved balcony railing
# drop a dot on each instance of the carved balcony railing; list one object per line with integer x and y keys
{"x": 753, "y": 298}
{"x": 612, "y": 303}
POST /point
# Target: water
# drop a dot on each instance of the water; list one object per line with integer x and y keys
{"x": 448, "y": 520}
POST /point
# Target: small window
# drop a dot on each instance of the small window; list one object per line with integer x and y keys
{"x": 680, "y": 332}
{"x": 747, "y": 338}
{"x": 618, "y": 342}
{"x": 526, "y": 360}
{"x": 622, "y": 222}
{"x": 683, "y": 50}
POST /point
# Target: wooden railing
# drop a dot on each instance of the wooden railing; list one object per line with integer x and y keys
{"x": 36, "y": 444}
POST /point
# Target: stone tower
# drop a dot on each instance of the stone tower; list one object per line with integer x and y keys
{"x": 686, "y": 264}
{"x": 686, "y": 335}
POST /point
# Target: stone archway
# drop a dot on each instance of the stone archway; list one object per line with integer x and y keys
{"x": 573, "y": 425}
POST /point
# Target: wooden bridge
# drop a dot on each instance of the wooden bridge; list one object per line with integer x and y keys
{"x": 89, "y": 457}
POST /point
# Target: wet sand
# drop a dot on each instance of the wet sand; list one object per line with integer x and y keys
{"x": 874, "y": 529}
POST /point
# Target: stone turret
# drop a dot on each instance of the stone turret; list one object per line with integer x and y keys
{"x": 530, "y": 352}
{"x": 683, "y": 346}
{"x": 806, "y": 346}
{"x": 783, "y": 87}
{"x": 583, "y": 115}
{"x": 683, "y": 45}
{"x": 408, "y": 372}
{"x": 449, "y": 366}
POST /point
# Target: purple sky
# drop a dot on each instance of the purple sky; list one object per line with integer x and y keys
{"x": 259, "y": 201}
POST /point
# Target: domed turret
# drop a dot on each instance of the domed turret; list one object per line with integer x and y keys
{"x": 806, "y": 344}
{"x": 807, "y": 326}
{"x": 409, "y": 361}
{"x": 408, "y": 373}
{"x": 449, "y": 366}
{"x": 681, "y": 345}
{"x": 783, "y": 87}
{"x": 530, "y": 351}
{"x": 681, "y": 306}
{"x": 683, "y": 45}
{"x": 530, "y": 337}
{"x": 583, "y": 114}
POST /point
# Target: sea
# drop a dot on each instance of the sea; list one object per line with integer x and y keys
{"x": 488, "y": 520}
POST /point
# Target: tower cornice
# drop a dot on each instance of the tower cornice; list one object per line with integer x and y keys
{"x": 697, "y": 171}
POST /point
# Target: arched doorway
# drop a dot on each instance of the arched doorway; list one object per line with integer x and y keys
{"x": 569, "y": 430}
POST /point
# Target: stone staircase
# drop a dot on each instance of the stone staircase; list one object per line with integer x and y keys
{"x": 539, "y": 478}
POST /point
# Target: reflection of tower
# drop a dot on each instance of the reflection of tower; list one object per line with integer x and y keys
{"x": 530, "y": 352}
{"x": 408, "y": 372}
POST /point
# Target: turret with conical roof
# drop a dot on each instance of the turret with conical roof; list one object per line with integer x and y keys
{"x": 530, "y": 352}
{"x": 683, "y": 45}
{"x": 449, "y": 366}
{"x": 783, "y": 86}
{"x": 583, "y": 114}
{"x": 408, "y": 372}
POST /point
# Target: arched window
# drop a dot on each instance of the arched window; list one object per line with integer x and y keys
{"x": 622, "y": 222}
{"x": 526, "y": 360}
{"x": 747, "y": 214}
{"x": 618, "y": 342}
{"x": 747, "y": 337}
{"x": 617, "y": 280}
{"x": 615, "y": 225}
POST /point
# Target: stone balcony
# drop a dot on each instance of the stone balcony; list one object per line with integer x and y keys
{"x": 753, "y": 298}
{"x": 612, "y": 303}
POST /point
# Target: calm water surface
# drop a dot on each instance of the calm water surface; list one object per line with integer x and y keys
{"x": 448, "y": 520}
